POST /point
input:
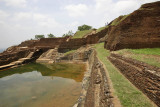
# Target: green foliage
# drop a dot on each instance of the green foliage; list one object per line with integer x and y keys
{"x": 84, "y": 27}
{"x": 69, "y": 33}
{"x": 39, "y": 36}
{"x": 128, "y": 95}
{"x": 51, "y": 36}
{"x": 80, "y": 34}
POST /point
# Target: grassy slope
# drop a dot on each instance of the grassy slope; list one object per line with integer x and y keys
{"x": 147, "y": 55}
{"x": 118, "y": 20}
{"x": 101, "y": 28}
{"x": 129, "y": 95}
{"x": 80, "y": 34}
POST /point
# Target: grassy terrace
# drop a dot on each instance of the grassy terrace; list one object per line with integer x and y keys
{"x": 80, "y": 34}
{"x": 128, "y": 95}
{"x": 147, "y": 55}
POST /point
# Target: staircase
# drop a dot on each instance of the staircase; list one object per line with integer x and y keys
{"x": 48, "y": 57}
{"x": 19, "y": 62}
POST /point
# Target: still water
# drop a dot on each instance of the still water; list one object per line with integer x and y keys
{"x": 37, "y": 85}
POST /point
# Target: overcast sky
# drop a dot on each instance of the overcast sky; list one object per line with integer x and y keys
{"x": 22, "y": 19}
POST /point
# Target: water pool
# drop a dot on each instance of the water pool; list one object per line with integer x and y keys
{"x": 39, "y": 85}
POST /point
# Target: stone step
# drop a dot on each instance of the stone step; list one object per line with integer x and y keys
{"x": 30, "y": 55}
{"x": 6, "y": 66}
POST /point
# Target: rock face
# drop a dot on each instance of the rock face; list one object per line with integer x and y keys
{"x": 140, "y": 29}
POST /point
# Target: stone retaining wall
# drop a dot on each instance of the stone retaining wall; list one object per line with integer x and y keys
{"x": 95, "y": 86}
{"x": 145, "y": 77}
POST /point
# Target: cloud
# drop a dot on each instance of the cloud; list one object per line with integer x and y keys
{"x": 108, "y": 10}
{"x": 126, "y": 6}
{"x": 22, "y": 19}
{"x": 3, "y": 15}
{"x": 37, "y": 19}
{"x": 16, "y": 3}
{"x": 76, "y": 10}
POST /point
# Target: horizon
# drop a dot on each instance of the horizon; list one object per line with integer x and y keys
{"x": 21, "y": 20}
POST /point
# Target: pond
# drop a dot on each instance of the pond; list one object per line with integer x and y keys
{"x": 41, "y": 85}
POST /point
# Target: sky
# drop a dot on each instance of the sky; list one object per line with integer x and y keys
{"x": 21, "y": 20}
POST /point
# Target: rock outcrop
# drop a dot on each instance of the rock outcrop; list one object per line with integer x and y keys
{"x": 140, "y": 29}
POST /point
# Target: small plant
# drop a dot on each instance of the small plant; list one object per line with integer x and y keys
{"x": 70, "y": 33}
{"x": 51, "y": 36}
{"x": 39, "y": 36}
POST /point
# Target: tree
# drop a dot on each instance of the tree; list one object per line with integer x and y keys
{"x": 51, "y": 36}
{"x": 70, "y": 33}
{"x": 39, "y": 36}
{"x": 84, "y": 27}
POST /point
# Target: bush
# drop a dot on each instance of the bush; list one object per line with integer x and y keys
{"x": 84, "y": 27}
{"x": 51, "y": 36}
{"x": 39, "y": 36}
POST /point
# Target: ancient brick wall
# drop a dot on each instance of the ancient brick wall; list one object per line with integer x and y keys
{"x": 27, "y": 43}
{"x": 48, "y": 42}
{"x": 143, "y": 76}
{"x": 78, "y": 42}
{"x": 94, "y": 38}
{"x": 72, "y": 44}
{"x": 139, "y": 29}
{"x": 10, "y": 57}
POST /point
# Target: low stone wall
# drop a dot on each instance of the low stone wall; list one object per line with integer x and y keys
{"x": 95, "y": 86}
{"x": 98, "y": 93}
{"x": 145, "y": 77}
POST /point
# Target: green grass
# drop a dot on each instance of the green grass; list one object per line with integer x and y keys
{"x": 118, "y": 20}
{"x": 147, "y": 51}
{"x": 128, "y": 95}
{"x": 148, "y": 55}
{"x": 80, "y": 34}
{"x": 69, "y": 52}
{"x": 101, "y": 28}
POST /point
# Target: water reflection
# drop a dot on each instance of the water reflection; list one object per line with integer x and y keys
{"x": 65, "y": 70}
{"x": 37, "y": 85}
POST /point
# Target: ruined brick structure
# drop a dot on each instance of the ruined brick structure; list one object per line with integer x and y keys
{"x": 140, "y": 29}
